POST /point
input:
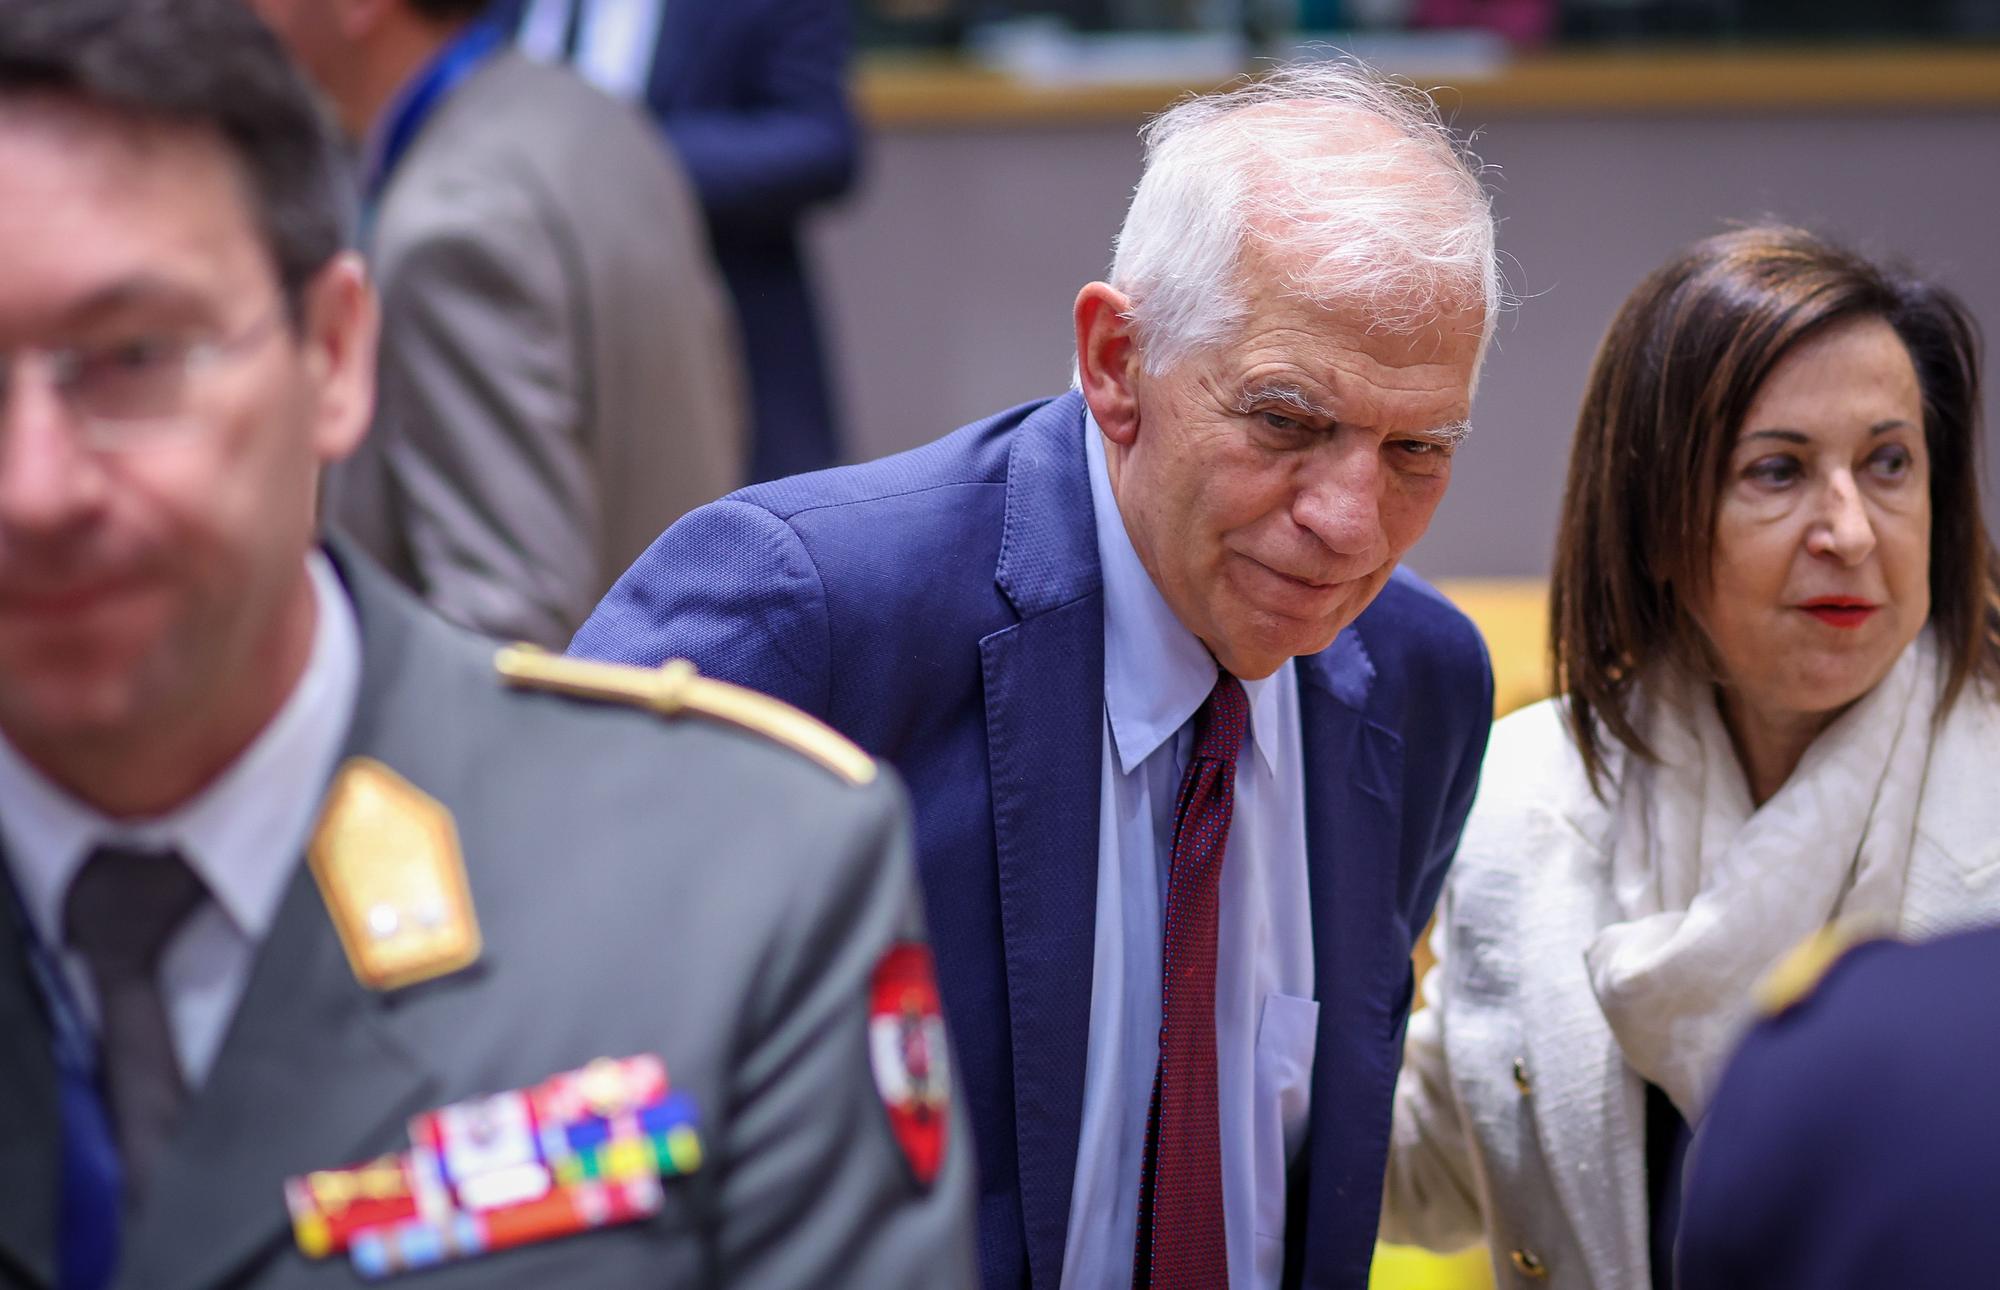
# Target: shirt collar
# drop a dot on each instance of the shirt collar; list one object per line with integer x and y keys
{"x": 242, "y": 834}
{"x": 1157, "y": 673}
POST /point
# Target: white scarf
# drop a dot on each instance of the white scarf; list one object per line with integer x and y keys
{"x": 1714, "y": 892}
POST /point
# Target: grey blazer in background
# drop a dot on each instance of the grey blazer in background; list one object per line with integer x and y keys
{"x": 680, "y": 888}
{"x": 560, "y": 368}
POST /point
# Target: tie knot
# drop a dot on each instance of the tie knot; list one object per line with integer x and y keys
{"x": 1219, "y": 725}
{"x": 124, "y": 905}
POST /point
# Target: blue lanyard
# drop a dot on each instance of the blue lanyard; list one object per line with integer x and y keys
{"x": 413, "y": 107}
{"x": 75, "y": 1046}
{"x": 87, "y": 1208}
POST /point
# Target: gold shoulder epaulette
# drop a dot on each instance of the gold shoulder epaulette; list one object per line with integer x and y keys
{"x": 1799, "y": 973}
{"x": 675, "y": 687}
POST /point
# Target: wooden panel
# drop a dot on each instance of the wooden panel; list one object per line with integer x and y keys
{"x": 913, "y": 92}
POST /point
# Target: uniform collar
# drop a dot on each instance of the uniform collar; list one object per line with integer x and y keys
{"x": 1157, "y": 673}
{"x": 242, "y": 834}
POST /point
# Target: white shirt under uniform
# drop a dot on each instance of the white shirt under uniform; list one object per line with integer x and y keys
{"x": 243, "y": 836}
{"x": 1156, "y": 675}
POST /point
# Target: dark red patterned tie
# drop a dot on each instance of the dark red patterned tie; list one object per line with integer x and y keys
{"x": 1181, "y": 1244}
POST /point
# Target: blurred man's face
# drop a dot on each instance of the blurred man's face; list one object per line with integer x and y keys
{"x": 162, "y": 425}
{"x": 1271, "y": 484}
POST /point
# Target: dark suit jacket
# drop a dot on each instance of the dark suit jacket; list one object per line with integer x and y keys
{"x": 944, "y": 609}
{"x": 638, "y": 893}
{"x": 1850, "y": 1144}
{"x": 752, "y": 94}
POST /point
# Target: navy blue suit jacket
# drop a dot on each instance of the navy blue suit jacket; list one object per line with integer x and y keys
{"x": 1850, "y": 1144}
{"x": 944, "y": 609}
{"x": 753, "y": 96}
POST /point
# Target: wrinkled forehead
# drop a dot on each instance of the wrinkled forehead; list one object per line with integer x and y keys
{"x": 1339, "y": 364}
{"x": 94, "y": 201}
{"x": 1398, "y": 315}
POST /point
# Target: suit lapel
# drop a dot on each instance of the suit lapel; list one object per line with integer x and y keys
{"x": 1354, "y": 774}
{"x": 1044, "y": 682}
{"x": 311, "y": 1074}
{"x": 30, "y": 1142}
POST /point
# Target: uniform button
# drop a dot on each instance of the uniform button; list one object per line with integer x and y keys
{"x": 1521, "y": 1082}
{"x": 1528, "y": 1265}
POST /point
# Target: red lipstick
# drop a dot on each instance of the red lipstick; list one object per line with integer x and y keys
{"x": 1840, "y": 611}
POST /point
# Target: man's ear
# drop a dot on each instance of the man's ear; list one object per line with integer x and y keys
{"x": 339, "y": 332}
{"x": 1107, "y": 360}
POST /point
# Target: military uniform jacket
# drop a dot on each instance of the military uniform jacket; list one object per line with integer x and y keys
{"x": 681, "y": 888}
{"x": 1516, "y": 1116}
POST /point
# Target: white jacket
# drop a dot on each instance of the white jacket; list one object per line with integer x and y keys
{"x": 1517, "y": 1119}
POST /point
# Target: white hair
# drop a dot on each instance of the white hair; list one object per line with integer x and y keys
{"x": 1349, "y": 183}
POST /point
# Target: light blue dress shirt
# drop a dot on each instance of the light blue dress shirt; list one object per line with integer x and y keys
{"x": 1156, "y": 675}
{"x": 244, "y": 835}
{"x": 615, "y": 42}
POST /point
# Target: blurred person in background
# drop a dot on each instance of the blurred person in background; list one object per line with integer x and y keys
{"x": 288, "y": 863}
{"x": 559, "y": 372}
{"x": 752, "y": 96}
{"x": 1776, "y": 643}
{"x": 1850, "y": 1142}
{"x": 1189, "y": 750}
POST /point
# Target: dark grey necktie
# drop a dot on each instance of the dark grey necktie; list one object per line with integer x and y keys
{"x": 123, "y": 907}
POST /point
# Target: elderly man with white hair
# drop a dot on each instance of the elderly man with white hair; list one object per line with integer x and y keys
{"x": 1189, "y": 754}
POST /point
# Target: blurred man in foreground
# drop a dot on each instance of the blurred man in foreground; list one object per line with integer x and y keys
{"x": 1182, "y": 805}
{"x": 311, "y": 906}
{"x": 560, "y": 373}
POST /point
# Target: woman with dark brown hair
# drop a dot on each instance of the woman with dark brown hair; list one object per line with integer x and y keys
{"x": 1776, "y": 625}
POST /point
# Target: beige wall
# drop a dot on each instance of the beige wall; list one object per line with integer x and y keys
{"x": 949, "y": 278}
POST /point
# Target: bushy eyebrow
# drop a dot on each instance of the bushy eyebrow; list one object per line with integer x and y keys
{"x": 1284, "y": 395}
{"x": 143, "y": 291}
{"x": 1451, "y": 434}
